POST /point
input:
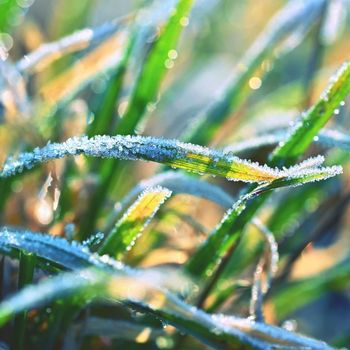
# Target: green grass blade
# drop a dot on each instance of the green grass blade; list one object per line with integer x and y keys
{"x": 154, "y": 69}
{"x": 193, "y": 158}
{"x": 296, "y": 15}
{"x": 329, "y": 138}
{"x": 25, "y": 277}
{"x": 225, "y": 238}
{"x": 207, "y": 256}
{"x": 134, "y": 221}
{"x": 306, "y": 290}
{"x": 144, "y": 92}
{"x": 141, "y": 293}
{"x": 303, "y": 133}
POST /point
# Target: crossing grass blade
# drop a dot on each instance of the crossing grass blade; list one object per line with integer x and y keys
{"x": 208, "y": 255}
{"x": 328, "y": 138}
{"x": 130, "y": 226}
{"x": 144, "y": 92}
{"x": 230, "y": 230}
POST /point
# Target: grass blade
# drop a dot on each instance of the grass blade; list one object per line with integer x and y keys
{"x": 138, "y": 292}
{"x": 154, "y": 68}
{"x": 107, "y": 55}
{"x": 25, "y": 277}
{"x": 207, "y": 256}
{"x": 193, "y": 158}
{"x": 295, "y": 17}
{"x": 144, "y": 92}
{"x": 229, "y": 231}
{"x": 304, "y": 131}
{"x": 134, "y": 221}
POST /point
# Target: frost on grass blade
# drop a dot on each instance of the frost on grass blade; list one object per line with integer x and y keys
{"x": 303, "y": 132}
{"x": 57, "y": 250}
{"x": 76, "y": 256}
{"x": 326, "y": 137}
{"x": 205, "y": 259}
{"x": 194, "y": 158}
{"x": 264, "y": 273}
{"x": 134, "y": 221}
{"x": 294, "y": 145}
{"x": 142, "y": 292}
{"x": 178, "y": 183}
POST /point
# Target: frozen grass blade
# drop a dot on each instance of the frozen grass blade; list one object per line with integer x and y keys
{"x": 143, "y": 293}
{"x": 134, "y": 221}
{"x": 295, "y": 18}
{"x": 193, "y": 158}
{"x": 304, "y": 131}
{"x": 264, "y": 273}
{"x": 228, "y": 233}
{"x": 208, "y": 255}
{"x": 144, "y": 92}
{"x": 326, "y": 137}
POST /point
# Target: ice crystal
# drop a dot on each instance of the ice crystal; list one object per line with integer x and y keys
{"x": 172, "y": 152}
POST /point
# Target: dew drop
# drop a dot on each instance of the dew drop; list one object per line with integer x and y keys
{"x": 184, "y": 21}
{"x": 169, "y": 64}
{"x": 172, "y": 54}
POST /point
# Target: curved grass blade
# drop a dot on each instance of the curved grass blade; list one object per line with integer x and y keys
{"x": 142, "y": 293}
{"x": 170, "y": 152}
{"x": 47, "y": 247}
{"x": 213, "y": 249}
{"x": 177, "y": 183}
{"x": 144, "y": 91}
{"x": 154, "y": 68}
{"x": 295, "y": 18}
{"x": 134, "y": 221}
{"x": 228, "y": 233}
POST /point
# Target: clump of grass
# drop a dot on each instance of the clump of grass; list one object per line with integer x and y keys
{"x": 98, "y": 252}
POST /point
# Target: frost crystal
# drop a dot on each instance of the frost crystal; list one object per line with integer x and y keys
{"x": 172, "y": 152}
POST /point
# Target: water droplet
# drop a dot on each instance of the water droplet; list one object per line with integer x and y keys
{"x": 316, "y": 138}
{"x": 169, "y": 64}
{"x": 255, "y": 83}
{"x": 172, "y": 54}
{"x": 184, "y": 21}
